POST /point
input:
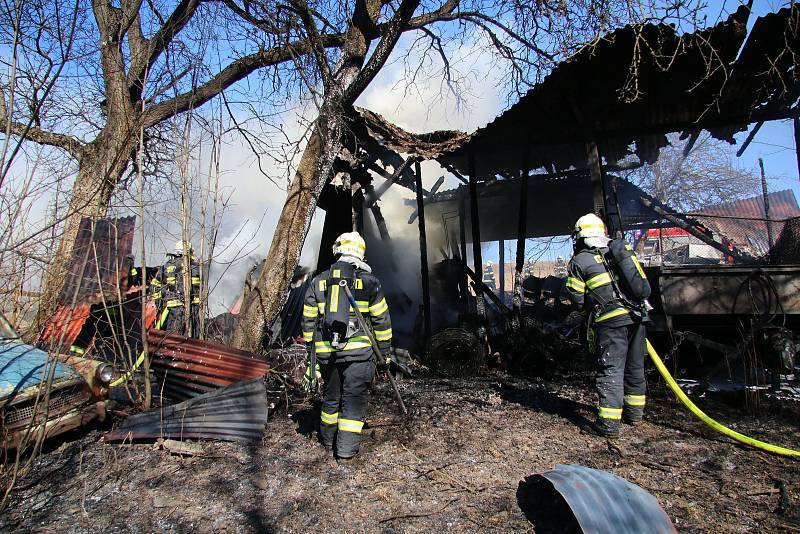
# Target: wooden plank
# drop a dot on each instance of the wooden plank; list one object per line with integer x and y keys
{"x": 423, "y": 253}
{"x": 476, "y": 229}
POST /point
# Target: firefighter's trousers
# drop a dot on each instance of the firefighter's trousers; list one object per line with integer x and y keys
{"x": 620, "y": 371}
{"x": 344, "y": 404}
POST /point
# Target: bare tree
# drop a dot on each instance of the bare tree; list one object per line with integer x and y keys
{"x": 691, "y": 177}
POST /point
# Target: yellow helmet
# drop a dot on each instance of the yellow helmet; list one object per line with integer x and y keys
{"x": 590, "y": 225}
{"x": 350, "y": 244}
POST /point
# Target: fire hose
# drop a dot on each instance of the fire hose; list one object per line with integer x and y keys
{"x": 741, "y": 438}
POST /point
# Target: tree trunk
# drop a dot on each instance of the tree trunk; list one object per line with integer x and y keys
{"x": 101, "y": 168}
{"x": 267, "y": 296}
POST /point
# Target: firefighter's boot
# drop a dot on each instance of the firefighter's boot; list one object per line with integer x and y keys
{"x": 633, "y": 415}
{"x": 607, "y": 428}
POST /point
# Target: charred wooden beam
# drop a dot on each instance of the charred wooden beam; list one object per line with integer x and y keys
{"x": 462, "y": 234}
{"x": 390, "y": 179}
{"x": 501, "y": 245}
{"x": 749, "y": 139}
{"x": 423, "y": 252}
{"x": 457, "y": 174}
{"x": 595, "y": 177}
{"x": 482, "y": 289}
{"x": 428, "y": 194}
{"x": 693, "y": 137}
{"x": 765, "y": 193}
{"x": 476, "y": 228}
{"x": 797, "y": 143}
{"x": 726, "y": 246}
{"x": 522, "y": 229}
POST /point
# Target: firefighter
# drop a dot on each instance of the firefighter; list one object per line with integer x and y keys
{"x": 167, "y": 292}
{"x": 616, "y": 319}
{"x": 488, "y": 275}
{"x": 331, "y": 329}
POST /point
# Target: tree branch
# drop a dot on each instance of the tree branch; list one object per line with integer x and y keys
{"x": 231, "y": 74}
{"x": 72, "y": 145}
{"x": 301, "y": 8}
{"x": 179, "y": 18}
{"x": 390, "y": 34}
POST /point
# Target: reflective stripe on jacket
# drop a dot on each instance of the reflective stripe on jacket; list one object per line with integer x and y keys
{"x": 590, "y": 286}
{"x": 370, "y": 301}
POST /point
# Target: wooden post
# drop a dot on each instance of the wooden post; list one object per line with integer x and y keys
{"x": 797, "y": 142}
{"x": 423, "y": 252}
{"x": 765, "y": 192}
{"x": 476, "y": 231}
{"x": 596, "y": 177}
{"x": 502, "y": 274}
{"x": 522, "y": 230}
{"x": 462, "y": 230}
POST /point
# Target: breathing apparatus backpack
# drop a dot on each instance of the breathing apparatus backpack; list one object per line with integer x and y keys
{"x": 630, "y": 274}
{"x": 337, "y": 325}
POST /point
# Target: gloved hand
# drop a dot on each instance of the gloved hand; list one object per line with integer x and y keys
{"x": 308, "y": 376}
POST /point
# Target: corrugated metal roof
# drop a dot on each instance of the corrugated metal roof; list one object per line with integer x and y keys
{"x": 67, "y": 321}
{"x": 747, "y": 227}
{"x": 188, "y": 367}
{"x": 105, "y": 246}
{"x": 603, "y": 502}
{"x": 681, "y": 83}
{"x": 782, "y": 205}
{"x": 235, "y": 413}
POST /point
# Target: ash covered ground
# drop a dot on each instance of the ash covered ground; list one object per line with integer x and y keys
{"x": 455, "y": 464}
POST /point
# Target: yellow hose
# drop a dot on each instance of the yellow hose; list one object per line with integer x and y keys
{"x": 706, "y": 419}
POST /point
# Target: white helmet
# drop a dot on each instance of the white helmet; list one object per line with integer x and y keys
{"x": 590, "y": 225}
{"x": 179, "y": 247}
{"x": 489, "y": 263}
{"x": 350, "y": 244}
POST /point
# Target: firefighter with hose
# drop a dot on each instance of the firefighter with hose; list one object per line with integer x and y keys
{"x": 340, "y": 343}
{"x": 608, "y": 284}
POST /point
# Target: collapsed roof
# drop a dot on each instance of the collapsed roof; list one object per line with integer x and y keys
{"x": 626, "y": 91}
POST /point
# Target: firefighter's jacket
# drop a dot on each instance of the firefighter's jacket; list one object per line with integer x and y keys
{"x": 488, "y": 275}
{"x": 595, "y": 292}
{"x": 368, "y": 294}
{"x": 167, "y": 286}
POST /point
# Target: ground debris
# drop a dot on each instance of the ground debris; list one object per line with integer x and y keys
{"x": 453, "y": 466}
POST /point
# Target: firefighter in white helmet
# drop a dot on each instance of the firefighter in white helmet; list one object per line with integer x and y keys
{"x": 616, "y": 314}
{"x": 167, "y": 292}
{"x": 488, "y": 275}
{"x": 343, "y": 350}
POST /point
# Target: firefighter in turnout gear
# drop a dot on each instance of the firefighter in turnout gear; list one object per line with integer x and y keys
{"x": 610, "y": 288}
{"x": 488, "y": 275}
{"x": 167, "y": 292}
{"x": 343, "y": 350}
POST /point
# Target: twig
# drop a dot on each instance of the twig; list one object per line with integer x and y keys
{"x": 407, "y": 516}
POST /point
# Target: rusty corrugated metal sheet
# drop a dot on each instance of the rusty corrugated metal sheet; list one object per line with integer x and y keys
{"x": 747, "y": 226}
{"x": 188, "y": 367}
{"x": 782, "y": 205}
{"x": 235, "y": 413}
{"x": 603, "y": 502}
{"x": 68, "y": 321}
{"x": 105, "y": 246}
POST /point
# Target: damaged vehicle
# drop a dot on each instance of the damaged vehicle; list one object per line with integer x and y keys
{"x": 29, "y": 408}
